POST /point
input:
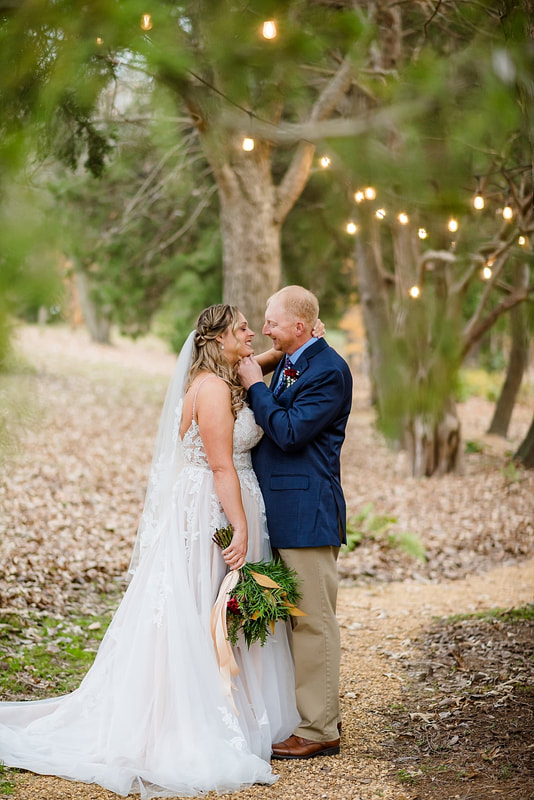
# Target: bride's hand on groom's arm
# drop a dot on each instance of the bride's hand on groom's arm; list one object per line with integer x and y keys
{"x": 249, "y": 371}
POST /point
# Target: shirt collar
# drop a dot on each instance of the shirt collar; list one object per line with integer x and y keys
{"x": 296, "y": 355}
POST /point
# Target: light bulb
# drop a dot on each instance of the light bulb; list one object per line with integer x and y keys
{"x": 370, "y": 193}
{"x": 146, "y": 22}
{"x": 248, "y": 144}
{"x": 422, "y": 233}
{"x": 380, "y": 213}
{"x": 403, "y": 218}
{"x": 99, "y": 40}
{"x": 268, "y": 30}
{"x": 325, "y": 162}
{"x": 487, "y": 273}
{"x": 507, "y": 212}
{"x": 415, "y": 292}
{"x": 478, "y": 201}
{"x": 351, "y": 228}
{"x": 452, "y": 225}
{"x": 522, "y": 241}
{"x": 359, "y": 196}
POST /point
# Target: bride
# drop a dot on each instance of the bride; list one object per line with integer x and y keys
{"x": 152, "y": 715}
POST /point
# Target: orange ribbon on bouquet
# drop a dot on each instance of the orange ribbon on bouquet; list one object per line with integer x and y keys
{"x": 219, "y": 633}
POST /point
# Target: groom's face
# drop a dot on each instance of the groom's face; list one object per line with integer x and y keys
{"x": 281, "y": 327}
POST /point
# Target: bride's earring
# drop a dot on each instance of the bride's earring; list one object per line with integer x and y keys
{"x": 222, "y": 346}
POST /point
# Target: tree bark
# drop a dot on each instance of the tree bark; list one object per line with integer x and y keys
{"x": 98, "y": 323}
{"x": 517, "y": 363}
{"x": 525, "y": 451}
{"x": 434, "y": 447}
{"x": 373, "y": 297}
{"x": 250, "y": 235}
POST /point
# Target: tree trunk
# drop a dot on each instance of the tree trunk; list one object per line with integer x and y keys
{"x": 525, "y": 451}
{"x": 517, "y": 363}
{"x": 434, "y": 448}
{"x": 250, "y": 237}
{"x": 97, "y": 321}
{"x": 374, "y": 303}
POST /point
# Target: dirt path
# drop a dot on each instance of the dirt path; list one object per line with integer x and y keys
{"x": 376, "y": 623}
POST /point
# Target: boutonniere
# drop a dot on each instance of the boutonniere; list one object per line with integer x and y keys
{"x": 291, "y": 375}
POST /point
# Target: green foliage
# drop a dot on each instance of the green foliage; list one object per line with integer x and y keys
{"x": 7, "y": 784}
{"x": 376, "y": 527}
{"x": 28, "y": 275}
{"x": 511, "y": 473}
{"x": 523, "y": 613}
{"x": 265, "y": 593}
{"x": 261, "y": 607}
{"x": 474, "y": 382}
{"x": 409, "y": 542}
{"x": 472, "y": 446}
{"x": 43, "y": 655}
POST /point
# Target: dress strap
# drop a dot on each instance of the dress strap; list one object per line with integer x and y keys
{"x": 196, "y": 393}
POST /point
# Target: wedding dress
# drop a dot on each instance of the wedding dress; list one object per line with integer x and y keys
{"x": 151, "y": 715}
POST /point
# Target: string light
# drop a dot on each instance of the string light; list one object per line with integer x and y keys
{"x": 359, "y": 196}
{"x": 507, "y": 212}
{"x": 522, "y": 241}
{"x": 99, "y": 40}
{"x": 370, "y": 193}
{"x": 380, "y": 213}
{"x": 146, "y": 22}
{"x": 422, "y": 233}
{"x": 415, "y": 292}
{"x": 487, "y": 273}
{"x": 403, "y": 218}
{"x": 351, "y": 228}
{"x": 269, "y": 30}
{"x": 478, "y": 201}
{"x": 248, "y": 144}
{"x": 325, "y": 162}
{"x": 452, "y": 225}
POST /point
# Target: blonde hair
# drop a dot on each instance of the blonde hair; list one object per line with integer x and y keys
{"x": 207, "y": 355}
{"x": 298, "y": 302}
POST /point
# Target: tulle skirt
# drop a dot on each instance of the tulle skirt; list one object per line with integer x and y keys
{"x": 152, "y": 715}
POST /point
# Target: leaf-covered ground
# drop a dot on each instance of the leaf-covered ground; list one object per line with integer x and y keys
{"x": 70, "y": 498}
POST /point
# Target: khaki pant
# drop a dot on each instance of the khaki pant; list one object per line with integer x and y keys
{"x": 315, "y": 641}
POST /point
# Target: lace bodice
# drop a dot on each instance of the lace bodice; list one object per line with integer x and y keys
{"x": 247, "y": 434}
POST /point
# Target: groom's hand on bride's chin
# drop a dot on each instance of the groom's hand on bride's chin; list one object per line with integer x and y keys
{"x": 249, "y": 371}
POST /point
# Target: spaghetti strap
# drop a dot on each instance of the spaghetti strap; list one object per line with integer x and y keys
{"x": 196, "y": 393}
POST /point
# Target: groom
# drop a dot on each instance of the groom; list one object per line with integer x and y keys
{"x": 303, "y": 415}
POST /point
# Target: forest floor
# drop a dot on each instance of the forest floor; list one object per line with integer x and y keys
{"x": 437, "y": 667}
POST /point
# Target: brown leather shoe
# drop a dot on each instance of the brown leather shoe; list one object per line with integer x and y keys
{"x": 297, "y": 747}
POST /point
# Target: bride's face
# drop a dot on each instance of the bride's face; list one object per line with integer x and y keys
{"x": 237, "y": 343}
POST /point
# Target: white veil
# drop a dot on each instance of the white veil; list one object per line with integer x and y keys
{"x": 166, "y": 461}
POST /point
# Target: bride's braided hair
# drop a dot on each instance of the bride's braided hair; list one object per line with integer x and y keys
{"x": 207, "y": 355}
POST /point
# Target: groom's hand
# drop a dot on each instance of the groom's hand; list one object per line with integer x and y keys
{"x": 249, "y": 372}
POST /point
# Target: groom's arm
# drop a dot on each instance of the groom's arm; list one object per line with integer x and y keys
{"x": 315, "y": 406}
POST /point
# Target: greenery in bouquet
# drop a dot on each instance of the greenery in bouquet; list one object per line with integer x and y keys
{"x": 265, "y": 593}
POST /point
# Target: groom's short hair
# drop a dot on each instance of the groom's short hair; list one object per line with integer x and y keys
{"x": 299, "y": 302}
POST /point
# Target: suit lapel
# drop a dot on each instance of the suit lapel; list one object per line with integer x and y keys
{"x": 302, "y": 363}
{"x": 311, "y": 351}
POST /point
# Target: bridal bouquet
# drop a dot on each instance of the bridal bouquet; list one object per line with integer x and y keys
{"x": 266, "y": 591}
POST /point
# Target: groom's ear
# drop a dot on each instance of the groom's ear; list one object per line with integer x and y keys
{"x": 300, "y": 328}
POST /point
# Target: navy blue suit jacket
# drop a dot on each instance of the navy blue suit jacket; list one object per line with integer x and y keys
{"x": 298, "y": 459}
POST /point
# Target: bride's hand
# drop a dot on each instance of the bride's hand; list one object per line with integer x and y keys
{"x": 236, "y": 553}
{"x": 319, "y": 329}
